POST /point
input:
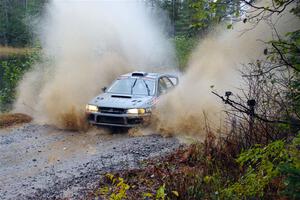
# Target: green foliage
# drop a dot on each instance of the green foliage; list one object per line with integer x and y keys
{"x": 122, "y": 187}
{"x": 118, "y": 189}
{"x": 210, "y": 13}
{"x": 291, "y": 171}
{"x": 210, "y": 186}
{"x": 147, "y": 195}
{"x": 160, "y": 193}
{"x": 184, "y": 46}
{"x": 11, "y": 71}
{"x": 180, "y": 14}
{"x": 16, "y": 18}
{"x": 229, "y": 26}
{"x": 263, "y": 165}
{"x": 286, "y": 52}
{"x": 194, "y": 17}
{"x": 291, "y": 181}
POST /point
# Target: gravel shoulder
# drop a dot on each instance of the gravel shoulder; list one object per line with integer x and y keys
{"x": 42, "y": 162}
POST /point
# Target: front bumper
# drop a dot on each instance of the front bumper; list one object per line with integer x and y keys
{"x": 121, "y": 120}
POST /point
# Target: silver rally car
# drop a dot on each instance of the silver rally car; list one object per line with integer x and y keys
{"x": 129, "y": 101}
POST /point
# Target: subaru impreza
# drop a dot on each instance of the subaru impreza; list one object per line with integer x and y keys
{"x": 130, "y": 100}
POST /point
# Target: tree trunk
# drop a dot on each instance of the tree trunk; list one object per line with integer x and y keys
{"x": 5, "y": 3}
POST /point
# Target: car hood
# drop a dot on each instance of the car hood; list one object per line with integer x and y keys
{"x": 122, "y": 101}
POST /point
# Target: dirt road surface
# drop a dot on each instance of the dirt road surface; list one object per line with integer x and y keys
{"x": 43, "y": 162}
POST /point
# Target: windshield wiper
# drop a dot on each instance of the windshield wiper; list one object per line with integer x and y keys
{"x": 148, "y": 90}
{"x": 133, "y": 86}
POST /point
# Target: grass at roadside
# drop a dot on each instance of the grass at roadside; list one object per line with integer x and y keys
{"x": 191, "y": 172}
{"x": 10, "y": 119}
{"x": 211, "y": 171}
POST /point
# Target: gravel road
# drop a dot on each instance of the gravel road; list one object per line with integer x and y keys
{"x": 43, "y": 162}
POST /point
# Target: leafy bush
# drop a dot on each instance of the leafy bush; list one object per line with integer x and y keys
{"x": 118, "y": 188}
{"x": 11, "y": 71}
{"x": 291, "y": 171}
{"x": 265, "y": 168}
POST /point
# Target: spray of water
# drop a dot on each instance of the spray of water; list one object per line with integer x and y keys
{"x": 214, "y": 64}
{"x": 86, "y": 45}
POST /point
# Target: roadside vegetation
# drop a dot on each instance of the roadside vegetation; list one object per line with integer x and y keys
{"x": 258, "y": 158}
{"x": 18, "y": 47}
{"x": 211, "y": 171}
{"x": 12, "y": 69}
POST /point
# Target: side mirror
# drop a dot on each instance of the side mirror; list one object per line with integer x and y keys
{"x": 104, "y": 89}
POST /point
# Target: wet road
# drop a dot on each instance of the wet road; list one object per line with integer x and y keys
{"x": 43, "y": 162}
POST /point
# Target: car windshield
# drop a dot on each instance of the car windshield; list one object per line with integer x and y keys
{"x": 133, "y": 86}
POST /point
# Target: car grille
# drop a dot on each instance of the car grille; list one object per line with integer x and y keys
{"x": 134, "y": 120}
{"x": 112, "y": 110}
{"x": 110, "y": 120}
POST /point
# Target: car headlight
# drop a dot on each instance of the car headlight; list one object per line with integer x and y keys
{"x": 91, "y": 108}
{"x": 136, "y": 111}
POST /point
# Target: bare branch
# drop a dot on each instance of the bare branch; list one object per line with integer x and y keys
{"x": 283, "y": 58}
{"x": 278, "y": 9}
{"x": 243, "y": 109}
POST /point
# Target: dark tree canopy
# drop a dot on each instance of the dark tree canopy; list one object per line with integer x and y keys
{"x": 16, "y": 19}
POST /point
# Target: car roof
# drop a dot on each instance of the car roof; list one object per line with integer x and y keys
{"x": 143, "y": 74}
